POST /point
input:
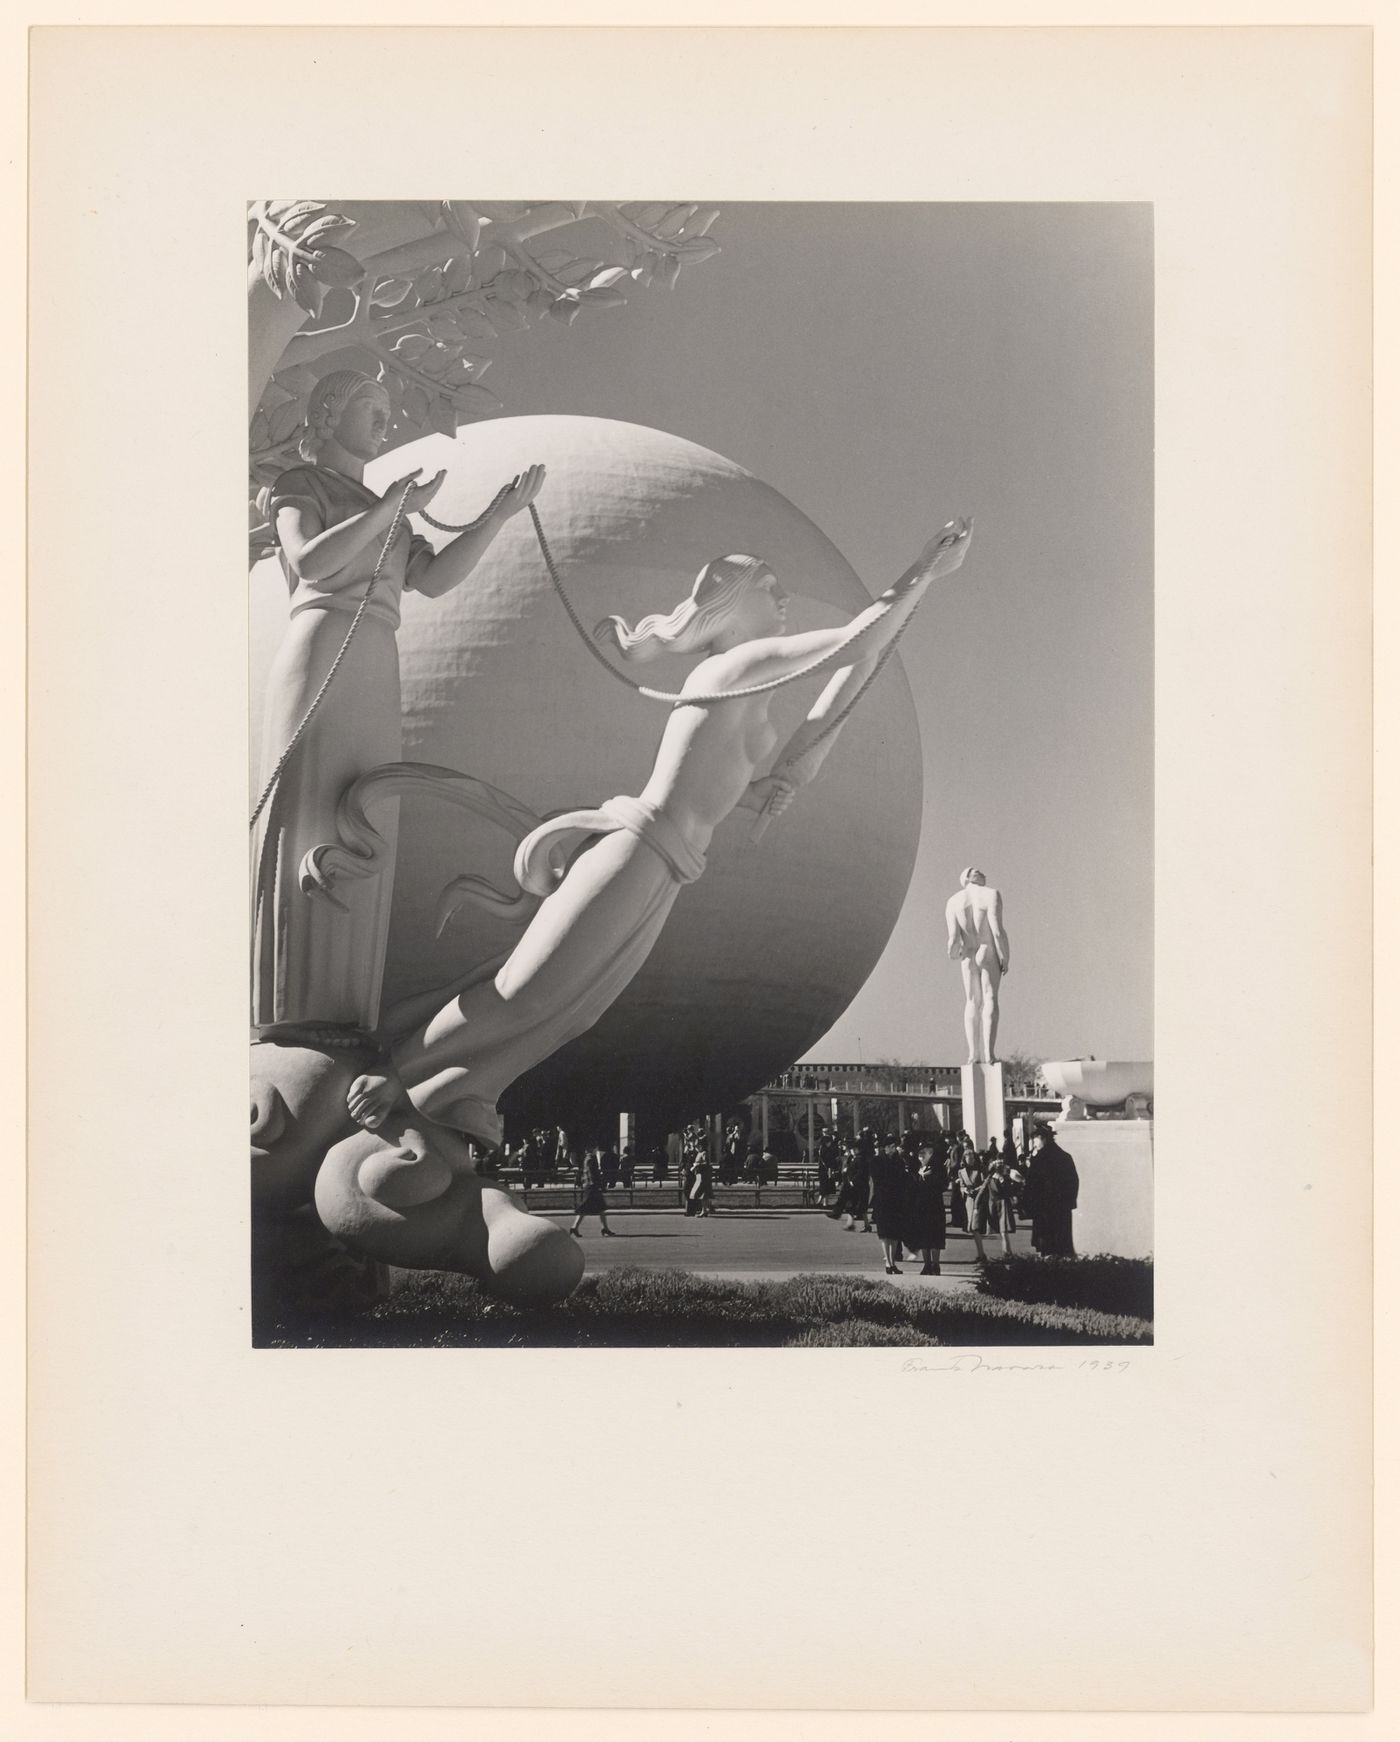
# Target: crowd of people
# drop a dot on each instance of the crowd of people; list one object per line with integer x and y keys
{"x": 908, "y": 1190}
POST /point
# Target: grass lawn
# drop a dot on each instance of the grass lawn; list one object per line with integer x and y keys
{"x": 636, "y": 1308}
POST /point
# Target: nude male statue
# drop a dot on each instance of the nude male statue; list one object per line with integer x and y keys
{"x": 977, "y": 939}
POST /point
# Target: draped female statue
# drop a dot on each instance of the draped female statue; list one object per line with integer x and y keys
{"x": 318, "y": 962}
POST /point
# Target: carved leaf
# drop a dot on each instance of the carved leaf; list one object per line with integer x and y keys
{"x": 442, "y": 417}
{"x": 434, "y": 361}
{"x": 285, "y": 213}
{"x": 674, "y": 221}
{"x": 390, "y": 292}
{"x": 698, "y": 249}
{"x": 608, "y": 276}
{"x": 474, "y": 326}
{"x": 646, "y": 217}
{"x": 259, "y": 432}
{"x": 284, "y": 423}
{"x": 554, "y": 260}
{"x": 429, "y": 284}
{"x": 490, "y": 260}
{"x": 604, "y": 299}
{"x": 701, "y": 222}
{"x": 306, "y": 287}
{"x": 411, "y": 346}
{"x": 415, "y": 404}
{"x": 325, "y": 228}
{"x": 476, "y": 401}
{"x": 668, "y": 272}
{"x": 335, "y": 266}
{"x": 457, "y": 274}
{"x": 577, "y": 271}
{"x": 297, "y": 381}
{"x": 462, "y": 221}
{"x": 507, "y": 317}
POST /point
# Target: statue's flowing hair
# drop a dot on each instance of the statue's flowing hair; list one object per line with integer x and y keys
{"x": 695, "y": 621}
{"x": 329, "y": 398}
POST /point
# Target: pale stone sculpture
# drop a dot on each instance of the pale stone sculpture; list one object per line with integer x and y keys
{"x": 318, "y": 963}
{"x": 601, "y": 916}
{"x": 403, "y": 1196}
{"x": 417, "y": 293}
{"x": 496, "y": 670}
{"x": 977, "y": 939}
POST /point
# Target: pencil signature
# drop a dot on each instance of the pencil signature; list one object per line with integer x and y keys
{"x": 974, "y": 1363}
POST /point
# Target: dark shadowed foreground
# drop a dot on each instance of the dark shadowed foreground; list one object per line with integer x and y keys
{"x": 634, "y": 1308}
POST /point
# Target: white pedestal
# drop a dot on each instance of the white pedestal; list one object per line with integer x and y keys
{"x": 983, "y": 1104}
{"x": 1113, "y": 1158}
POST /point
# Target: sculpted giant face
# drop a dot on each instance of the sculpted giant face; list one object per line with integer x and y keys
{"x": 409, "y": 1194}
{"x": 298, "y": 1112}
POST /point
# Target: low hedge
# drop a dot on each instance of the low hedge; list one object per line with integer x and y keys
{"x": 639, "y": 1308}
{"x": 1107, "y": 1284}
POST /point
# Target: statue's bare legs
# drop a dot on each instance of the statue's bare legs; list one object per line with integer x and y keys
{"x": 981, "y": 981}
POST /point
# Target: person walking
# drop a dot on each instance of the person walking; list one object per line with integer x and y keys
{"x": 593, "y": 1202}
{"x": 702, "y": 1187}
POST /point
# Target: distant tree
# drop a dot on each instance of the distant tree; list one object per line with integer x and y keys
{"x": 1022, "y": 1072}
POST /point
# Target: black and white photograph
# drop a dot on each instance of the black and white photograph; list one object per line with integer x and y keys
{"x": 692, "y": 661}
{"x": 690, "y": 641}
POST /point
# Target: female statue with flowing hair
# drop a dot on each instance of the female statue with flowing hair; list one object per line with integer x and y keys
{"x": 314, "y": 962}
{"x": 608, "y": 877}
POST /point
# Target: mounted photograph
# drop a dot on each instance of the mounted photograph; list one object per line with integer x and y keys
{"x": 689, "y": 642}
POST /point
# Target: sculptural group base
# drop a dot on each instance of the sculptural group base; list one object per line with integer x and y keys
{"x": 983, "y": 1103}
{"x": 1113, "y": 1158}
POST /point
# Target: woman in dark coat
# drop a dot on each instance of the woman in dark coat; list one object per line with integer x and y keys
{"x": 924, "y": 1229}
{"x": 1052, "y": 1196}
{"x": 593, "y": 1203}
{"x": 887, "y": 1201}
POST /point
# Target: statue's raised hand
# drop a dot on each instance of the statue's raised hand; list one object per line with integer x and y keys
{"x": 769, "y": 796}
{"x": 521, "y": 492}
{"x": 945, "y": 552}
{"x": 419, "y": 495}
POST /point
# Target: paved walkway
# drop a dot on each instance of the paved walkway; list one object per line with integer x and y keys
{"x": 764, "y": 1244}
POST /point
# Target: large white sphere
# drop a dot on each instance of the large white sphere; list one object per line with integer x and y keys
{"x": 765, "y": 951}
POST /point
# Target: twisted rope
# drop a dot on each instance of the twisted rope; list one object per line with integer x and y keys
{"x": 320, "y": 695}
{"x": 700, "y": 698}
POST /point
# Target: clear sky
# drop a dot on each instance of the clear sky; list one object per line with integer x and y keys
{"x": 887, "y": 367}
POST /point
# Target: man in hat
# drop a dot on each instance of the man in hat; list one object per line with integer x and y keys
{"x": 977, "y": 939}
{"x": 1051, "y": 1195}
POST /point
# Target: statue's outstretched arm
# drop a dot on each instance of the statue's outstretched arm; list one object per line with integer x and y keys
{"x": 869, "y": 632}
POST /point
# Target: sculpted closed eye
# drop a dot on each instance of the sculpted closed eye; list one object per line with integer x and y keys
{"x": 269, "y": 1120}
